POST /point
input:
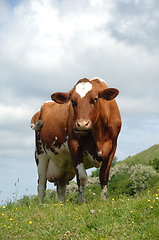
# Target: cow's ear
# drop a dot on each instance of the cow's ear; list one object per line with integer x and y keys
{"x": 60, "y": 97}
{"x": 109, "y": 93}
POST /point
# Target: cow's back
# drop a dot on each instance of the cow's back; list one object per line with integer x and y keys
{"x": 55, "y": 120}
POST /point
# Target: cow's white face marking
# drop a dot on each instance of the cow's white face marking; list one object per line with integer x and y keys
{"x": 82, "y": 88}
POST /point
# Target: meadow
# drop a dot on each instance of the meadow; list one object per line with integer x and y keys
{"x": 130, "y": 212}
{"x": 119, "y": 217}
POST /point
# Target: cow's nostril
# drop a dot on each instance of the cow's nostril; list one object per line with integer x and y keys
{"x": 87, "y": 123}
{"x": 78, "y": 124}
{"x": 83, "y": 125}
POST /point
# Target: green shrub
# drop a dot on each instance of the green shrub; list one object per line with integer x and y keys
{"x": 120, "y": 184}
{"x": 119, "y": 169}
{"x": 95, "y": 173}
{"x": 131, "y": 179}
{"x": 140, "y": 177}
{"x": 155, "y": 164}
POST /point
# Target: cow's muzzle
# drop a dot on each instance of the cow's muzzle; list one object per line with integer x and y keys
{"x": 82, "y": 127}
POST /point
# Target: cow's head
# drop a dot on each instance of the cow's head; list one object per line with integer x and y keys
{"x": 84, "y": 99}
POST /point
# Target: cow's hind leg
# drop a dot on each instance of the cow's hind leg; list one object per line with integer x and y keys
{"x": 61, "y": 191}
{"x": 42, "y": 169}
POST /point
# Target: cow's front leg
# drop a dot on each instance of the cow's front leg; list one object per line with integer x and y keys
{"x": 108, "y": 154}
{"x": 77, "y": 160}
{"x": 81, "y": 181}
{"x": 61, "y": 191}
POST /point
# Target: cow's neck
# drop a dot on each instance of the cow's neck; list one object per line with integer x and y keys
{"x": 99, "y": 134}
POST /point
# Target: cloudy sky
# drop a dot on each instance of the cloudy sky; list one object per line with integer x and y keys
{"x": 48, "y": 45}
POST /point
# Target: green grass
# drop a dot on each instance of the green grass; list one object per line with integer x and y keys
{"x": 143, "y": 157}
{"x": 119, "y": 217}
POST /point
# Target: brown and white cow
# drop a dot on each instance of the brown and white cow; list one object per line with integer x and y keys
{"x": 77, "y": 131}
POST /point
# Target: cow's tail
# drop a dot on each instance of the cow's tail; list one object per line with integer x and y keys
{"x": 36, "y": 123}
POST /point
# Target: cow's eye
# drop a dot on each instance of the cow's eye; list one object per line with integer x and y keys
{"x": 74, "y": 104}
{"x": 94, "y": 100}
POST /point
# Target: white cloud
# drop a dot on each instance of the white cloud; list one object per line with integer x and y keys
{"x": 17, "y": 114}
{"x": 133, "y": 106}
{"x": 136, "y": 23}
{"x": 47, "y": 46}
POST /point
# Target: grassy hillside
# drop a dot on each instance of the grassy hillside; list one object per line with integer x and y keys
{"x": 134, "y": 174}
{"x": 143, "y": 157}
